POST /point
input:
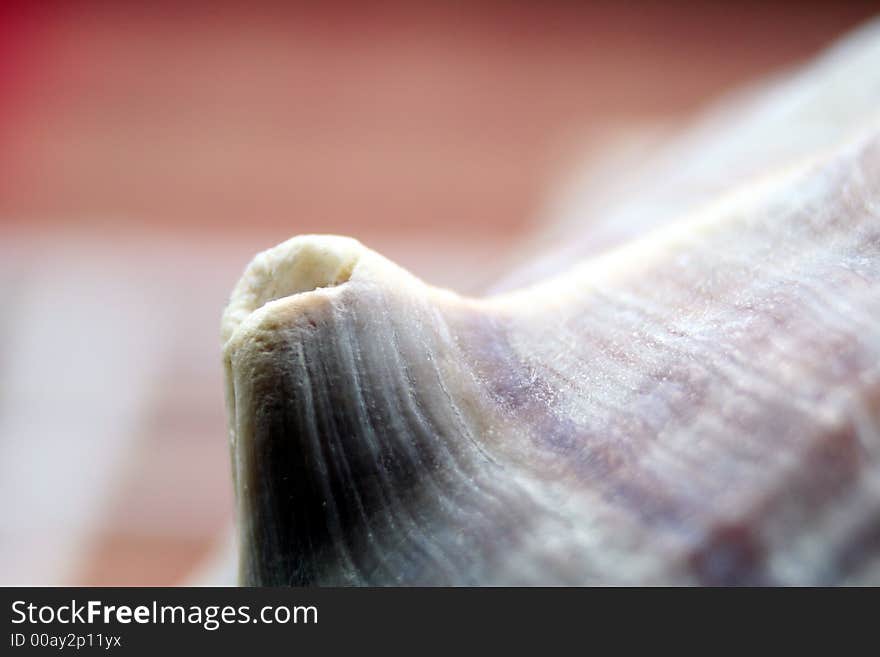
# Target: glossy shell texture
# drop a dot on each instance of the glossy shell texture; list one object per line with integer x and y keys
{"x": 690, "y": 398}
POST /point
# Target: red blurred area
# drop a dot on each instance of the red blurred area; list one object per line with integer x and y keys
{"x": 353, "y": 117}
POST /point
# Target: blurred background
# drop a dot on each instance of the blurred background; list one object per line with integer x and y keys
{"x": 147, "y": 152}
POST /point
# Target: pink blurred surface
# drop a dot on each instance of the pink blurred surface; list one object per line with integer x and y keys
{"x": 146, "y": 154}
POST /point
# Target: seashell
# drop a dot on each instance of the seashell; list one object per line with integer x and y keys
{"x": 699, "y": 404}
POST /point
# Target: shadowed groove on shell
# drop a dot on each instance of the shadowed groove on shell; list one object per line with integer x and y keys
{"x": 700, "y": 405}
